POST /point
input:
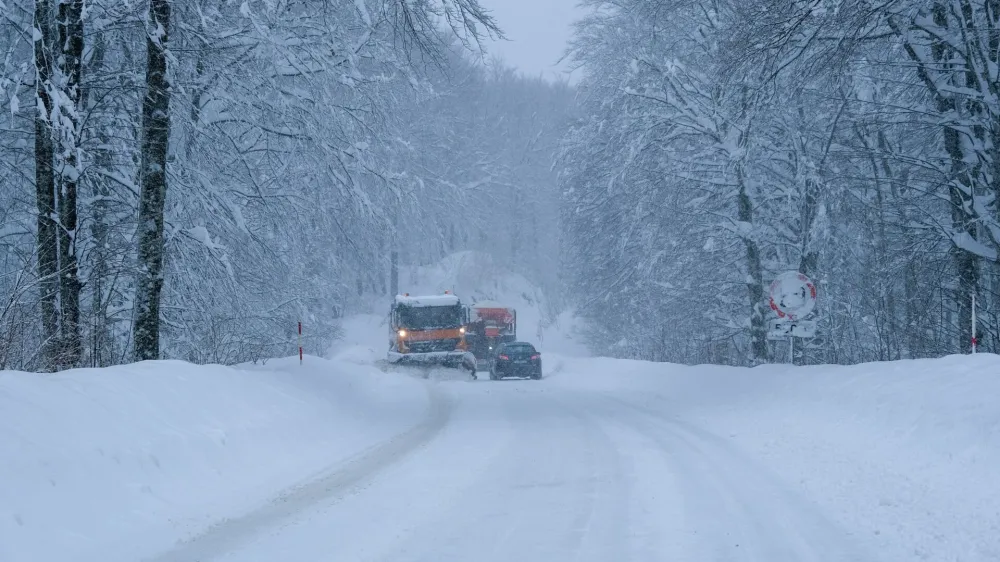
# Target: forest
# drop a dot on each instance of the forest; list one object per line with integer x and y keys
{"x": 722, "y": 143}
{"x": 188, "y": 179}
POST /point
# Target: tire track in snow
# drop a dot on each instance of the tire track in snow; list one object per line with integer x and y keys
{"x": 555, "y": 492}
{"x": 602, "y": 532}
{"x": 339, "y": 481}
{"x": 746, "y": 503}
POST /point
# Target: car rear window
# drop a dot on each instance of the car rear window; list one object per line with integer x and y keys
{"x": 519, "y": 348}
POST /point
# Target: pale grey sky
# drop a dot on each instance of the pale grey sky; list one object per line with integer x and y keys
{"x": 537, "y": 32}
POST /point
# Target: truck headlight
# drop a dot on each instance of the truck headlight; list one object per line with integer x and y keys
{"x": 461, "y": 330}
{"x": 402, "y": 333}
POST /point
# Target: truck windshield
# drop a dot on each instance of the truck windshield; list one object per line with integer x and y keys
{"x": 430, "y": 317}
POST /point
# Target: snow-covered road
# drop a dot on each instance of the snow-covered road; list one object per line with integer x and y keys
{"x": 602, "y": 460}
{"x": 539, "y": 471}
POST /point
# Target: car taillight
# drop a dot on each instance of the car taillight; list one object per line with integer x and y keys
{"x": 504, "y": 357}
{"x": 536, "y": 356}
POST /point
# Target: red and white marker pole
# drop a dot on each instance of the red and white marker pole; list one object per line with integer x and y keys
{"x": 300, "y": 342}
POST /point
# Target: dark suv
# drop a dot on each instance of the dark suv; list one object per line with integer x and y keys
{"x": 516, "y": 359}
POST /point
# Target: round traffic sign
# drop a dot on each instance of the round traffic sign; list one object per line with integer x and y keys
{"x": 793, "y": 295}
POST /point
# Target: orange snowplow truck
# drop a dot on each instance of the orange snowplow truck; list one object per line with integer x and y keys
{"x": 429, "y": 330}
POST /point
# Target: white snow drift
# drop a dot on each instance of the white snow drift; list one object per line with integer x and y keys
{"x": 905, "y": 454}
{"x": 116, "y": 464}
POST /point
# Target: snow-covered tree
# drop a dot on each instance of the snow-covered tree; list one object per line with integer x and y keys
{"x": 848, "y": 141}
{"x": 302, "y": 144}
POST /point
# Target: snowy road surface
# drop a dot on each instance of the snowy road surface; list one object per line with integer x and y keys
{"x": 537, "y": 471}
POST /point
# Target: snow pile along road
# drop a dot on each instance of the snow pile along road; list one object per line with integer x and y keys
{"x": 121, "y": 463}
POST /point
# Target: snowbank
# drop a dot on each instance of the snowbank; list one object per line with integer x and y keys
{"x": 907, "y": 450}
{"x": 116, "y": 464}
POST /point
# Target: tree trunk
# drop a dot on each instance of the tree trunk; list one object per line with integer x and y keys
{"x": 380, "y": 282}
{"x": 153, "y": 177}
{"x": 393, "y": 273}
{"x": 755, "y": 277}
{"x": 809, "y": 259}
{"x": 394, "y": 240}
{"x": 966, "y": 262}
{"x": 45, "y": 194}
{"x": 961, "y": 190}
{"x": 71, "y": 46}
{"x": 100, "y": 336}
{"x": 890, "y": 331}
{"x": 515, "y": 234}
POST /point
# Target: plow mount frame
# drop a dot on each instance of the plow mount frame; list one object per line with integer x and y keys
{"x": 448, "y": 359}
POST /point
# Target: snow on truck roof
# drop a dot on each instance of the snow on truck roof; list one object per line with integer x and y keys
{"x": 427, "y": 300}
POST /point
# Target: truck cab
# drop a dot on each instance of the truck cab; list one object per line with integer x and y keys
{"x": 429, "y": 329}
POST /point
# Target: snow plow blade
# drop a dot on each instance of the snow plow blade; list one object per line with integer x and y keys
{"x": 450, "y": 359}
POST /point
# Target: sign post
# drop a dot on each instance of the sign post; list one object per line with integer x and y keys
{"x": 300, "y": 342}
{"x": 793, "y": 298}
